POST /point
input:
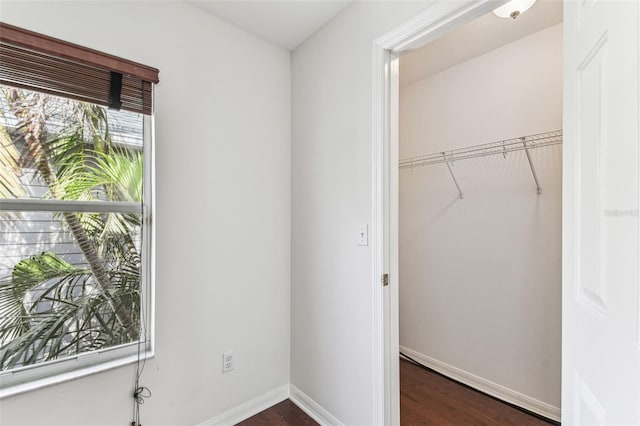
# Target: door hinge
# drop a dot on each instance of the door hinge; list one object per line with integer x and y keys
{"x": 385, "y": 280}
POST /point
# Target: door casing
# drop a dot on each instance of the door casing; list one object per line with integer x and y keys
{"x": 436, "y": 20}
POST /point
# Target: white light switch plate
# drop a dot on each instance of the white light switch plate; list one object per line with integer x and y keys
{"x": 363, "y": 235}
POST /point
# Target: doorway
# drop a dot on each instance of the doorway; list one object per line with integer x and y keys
{"x": 441, "y": 24}
{"x": 480, "y": 195}
{"x": 601, "y": 243}
{"x": 601, "y": 192}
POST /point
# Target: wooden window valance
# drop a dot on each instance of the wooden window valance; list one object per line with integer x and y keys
{"x": 38, "y": 62}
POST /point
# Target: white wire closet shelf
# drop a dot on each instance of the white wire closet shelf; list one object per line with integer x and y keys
{"x": 492, "y": 148}
{"x": 503, "y": 147}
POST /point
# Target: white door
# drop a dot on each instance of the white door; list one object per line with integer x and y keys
{"x": 601, "y": 295}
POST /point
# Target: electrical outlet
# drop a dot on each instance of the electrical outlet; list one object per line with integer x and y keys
{"x": 227, "y": 361}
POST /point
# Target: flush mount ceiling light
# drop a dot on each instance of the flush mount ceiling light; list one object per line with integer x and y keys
{"x": 514, "y": 8}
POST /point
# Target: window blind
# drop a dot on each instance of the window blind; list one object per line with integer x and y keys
{"x": 38, "y": 62}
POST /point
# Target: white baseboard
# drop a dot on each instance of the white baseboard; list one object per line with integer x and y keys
{"x": 249, "y": 408}
{"x": 312, "y": 408}
{"x": 486, "y": 386}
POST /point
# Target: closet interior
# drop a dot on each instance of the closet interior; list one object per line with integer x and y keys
{"x": 480, "y": 191}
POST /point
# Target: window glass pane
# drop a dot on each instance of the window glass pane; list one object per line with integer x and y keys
{"x": 57, "y": 148}
{"x": 69, "y": 283}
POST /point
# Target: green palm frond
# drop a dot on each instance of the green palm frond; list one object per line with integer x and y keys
{"x": 18, "y": 317}
{"x": 116, "y": 175}
{"x": 62, "y": 310}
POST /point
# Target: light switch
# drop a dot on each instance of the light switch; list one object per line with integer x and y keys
{"x": 363, "y": 235}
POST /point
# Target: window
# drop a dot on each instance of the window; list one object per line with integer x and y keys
{"x": 75, "y": 210}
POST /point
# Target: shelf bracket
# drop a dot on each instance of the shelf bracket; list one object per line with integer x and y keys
{"x": 447, "y": 162}
{"x": 533, "y": 169}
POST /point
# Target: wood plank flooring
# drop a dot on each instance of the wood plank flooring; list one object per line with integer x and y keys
{"x": 285, "y": 413}
{"x": 426, "y": 398}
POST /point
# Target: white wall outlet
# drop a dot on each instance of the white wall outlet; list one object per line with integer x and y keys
{"x": 227, "y": 361}
{"x": 363, "y": 235}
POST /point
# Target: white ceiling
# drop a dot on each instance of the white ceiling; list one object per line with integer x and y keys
{"x": 475, "y": 38}
{"x": 285, "y": 23}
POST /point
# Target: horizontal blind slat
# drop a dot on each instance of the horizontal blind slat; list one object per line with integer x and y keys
{"x": 79, "y": 54}
{"x": 23, "y": 65}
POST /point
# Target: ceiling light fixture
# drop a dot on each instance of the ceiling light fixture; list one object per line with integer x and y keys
{"x": 514, "y": 8}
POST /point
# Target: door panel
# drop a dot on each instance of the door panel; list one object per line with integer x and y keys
{"x": 591, "y": 151}
{"x": 601, "y": 355}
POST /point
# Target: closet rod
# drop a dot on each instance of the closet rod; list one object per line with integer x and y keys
{"x": 523, "y": 143}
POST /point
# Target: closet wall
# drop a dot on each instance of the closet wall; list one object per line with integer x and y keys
{"x": 480, "y": 278}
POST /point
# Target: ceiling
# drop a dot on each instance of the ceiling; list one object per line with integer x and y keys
{"x": 285, "y": 23}
{"x": 476, "y": 38}
{"x": 288, "y": 23}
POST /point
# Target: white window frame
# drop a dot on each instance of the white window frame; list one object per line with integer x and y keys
{"x": 32, "y": 377}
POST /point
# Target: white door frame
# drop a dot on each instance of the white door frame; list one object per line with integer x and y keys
{"x": 436, "y": 20}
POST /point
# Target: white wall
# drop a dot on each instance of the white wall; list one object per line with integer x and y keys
{"x": 331, "y": 313}
{"x": 480, "y": 278}
{"x": 223, "y": 255}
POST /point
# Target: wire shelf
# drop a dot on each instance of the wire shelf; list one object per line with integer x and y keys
{"x": 502, "y": 147}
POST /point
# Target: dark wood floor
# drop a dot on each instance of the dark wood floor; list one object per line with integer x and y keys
{"x": 426, "y": 398}
{"x": 283, "y": 414}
